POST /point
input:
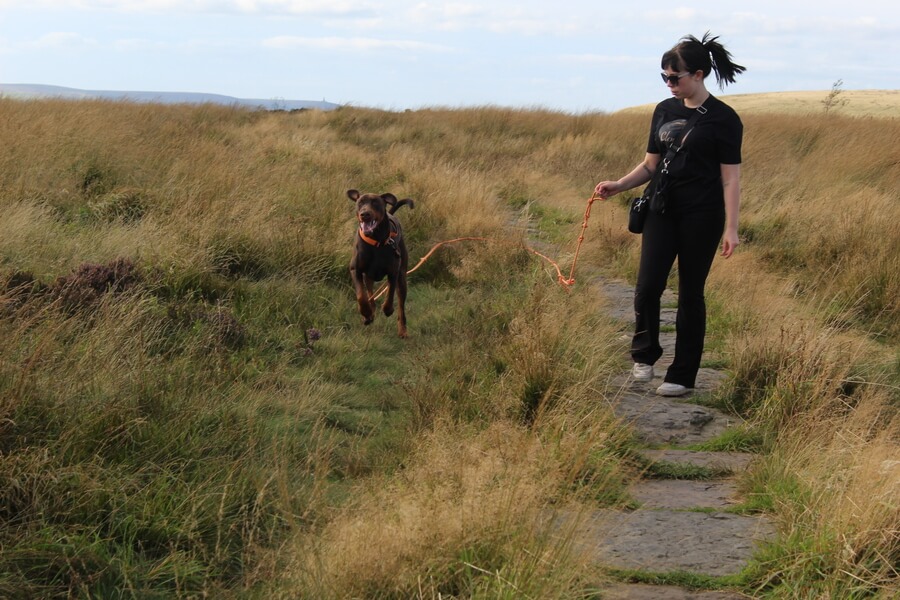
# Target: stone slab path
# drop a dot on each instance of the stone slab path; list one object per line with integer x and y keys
{"x": 680, "y": 525}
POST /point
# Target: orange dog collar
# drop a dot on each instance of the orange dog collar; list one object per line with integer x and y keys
{"x": 374, "y": 242}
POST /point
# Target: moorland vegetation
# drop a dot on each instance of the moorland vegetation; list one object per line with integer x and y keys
{"x": 190, "y": 405}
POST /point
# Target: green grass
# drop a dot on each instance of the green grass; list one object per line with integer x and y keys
{"x": 691, "y": 581}
{"x": 719, "y": 364}
{"x": 669, "y": 470}
{"x": 736, "y": 439}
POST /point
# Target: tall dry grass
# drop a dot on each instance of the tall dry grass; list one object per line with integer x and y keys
{"x": 824, "y": 210}
{"x": 226, "y": 426}
{"x": 824, "y": 398}
{"x": 840, "y": 487}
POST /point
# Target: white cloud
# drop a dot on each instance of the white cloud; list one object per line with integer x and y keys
{"x": 499, "y": 17}
{"x": 533, "y": 26}
{"x": 139, "y": 45}
{"x": 300, "y": 7}
{"x": 675, "y": 14}
{"x": 445, "y": 17}
{"x": 604, "y": 59}
{"x": 349, "y": 43}
{"x": 60, "y": 39}
{"x": 260, "y": 7}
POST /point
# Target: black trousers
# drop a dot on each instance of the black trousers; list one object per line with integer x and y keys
{"x": 693, "y": 238}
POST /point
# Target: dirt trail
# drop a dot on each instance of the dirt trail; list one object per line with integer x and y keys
{"x": 682, "y": 525}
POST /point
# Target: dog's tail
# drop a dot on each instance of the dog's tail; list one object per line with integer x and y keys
{"x": 400, "y": 203}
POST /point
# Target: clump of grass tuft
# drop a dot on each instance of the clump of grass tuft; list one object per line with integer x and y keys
{"x": 126, "y": 205}
{"x": 788, "y": 373}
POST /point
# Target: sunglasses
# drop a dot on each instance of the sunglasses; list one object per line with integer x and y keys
{"x": 673, "y": 79}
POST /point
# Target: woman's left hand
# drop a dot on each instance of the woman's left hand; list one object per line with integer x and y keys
{"x": 731, "y": 188}
{"x": 730, "y": 241}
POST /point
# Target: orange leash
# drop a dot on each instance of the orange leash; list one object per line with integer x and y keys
{"x": 566, "y": 282}
{"x": 584, "y": 223}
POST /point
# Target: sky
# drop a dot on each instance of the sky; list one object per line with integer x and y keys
{"x": 567, "y": 55}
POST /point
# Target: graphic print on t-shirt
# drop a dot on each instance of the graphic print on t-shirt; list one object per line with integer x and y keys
{"x": 670, "y": 133}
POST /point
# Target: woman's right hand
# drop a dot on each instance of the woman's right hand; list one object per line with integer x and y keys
{"x": 605, "y": 189}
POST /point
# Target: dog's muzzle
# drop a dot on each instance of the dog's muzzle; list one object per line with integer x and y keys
{"x": 367, "y": 225}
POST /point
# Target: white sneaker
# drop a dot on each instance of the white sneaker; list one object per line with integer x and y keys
{"x": 672, "y": 389}
{"x": 642, "y": 372}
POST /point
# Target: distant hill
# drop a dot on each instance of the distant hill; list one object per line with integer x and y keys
{"x": 30, "y": 91}
{"x": 853, "y": 103}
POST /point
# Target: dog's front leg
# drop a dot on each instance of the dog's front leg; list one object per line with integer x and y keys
{"x": 388, "y": 306}
{"x": 363, "y": 297}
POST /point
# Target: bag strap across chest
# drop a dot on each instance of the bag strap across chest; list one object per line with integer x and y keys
{"x": 675, "y": 148}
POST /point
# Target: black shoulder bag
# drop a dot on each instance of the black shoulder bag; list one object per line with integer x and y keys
{"x": 654, "y": 196}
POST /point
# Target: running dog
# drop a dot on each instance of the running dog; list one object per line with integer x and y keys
{"x": 379, "y": 251}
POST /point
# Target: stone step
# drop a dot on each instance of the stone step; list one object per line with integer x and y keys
{"x": 662, "y": 541}
{"x": 684, "y": 494}
{"x": 659, "y": 420}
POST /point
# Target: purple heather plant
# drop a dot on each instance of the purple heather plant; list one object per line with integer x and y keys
{"x": 310, "y": 337}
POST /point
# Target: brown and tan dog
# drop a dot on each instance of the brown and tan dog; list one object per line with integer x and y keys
{"x": 379, "y": 251}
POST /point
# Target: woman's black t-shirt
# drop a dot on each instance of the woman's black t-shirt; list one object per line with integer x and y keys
{"x": 695, "y": 176}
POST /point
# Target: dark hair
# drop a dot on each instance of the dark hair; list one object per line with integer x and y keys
{"x": 707, "y": 55}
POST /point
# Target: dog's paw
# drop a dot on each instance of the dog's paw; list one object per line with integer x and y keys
{"x": 367, "y": 310}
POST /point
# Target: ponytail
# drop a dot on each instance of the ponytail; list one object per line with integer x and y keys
{"x": 707, "y": 55}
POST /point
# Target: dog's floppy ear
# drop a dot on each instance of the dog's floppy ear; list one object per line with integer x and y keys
{"x": 389, "y": 199}
{"x": 353, "y": 195}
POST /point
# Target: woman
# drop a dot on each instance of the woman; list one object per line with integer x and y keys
{"x": 703, "y": 198}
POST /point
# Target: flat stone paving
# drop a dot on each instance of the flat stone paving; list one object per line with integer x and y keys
{"x": 658, "y": 420}
{"x": 680, "y": 525}
{"x": 685, "y": 493}
{"x": 661, "y": 541}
